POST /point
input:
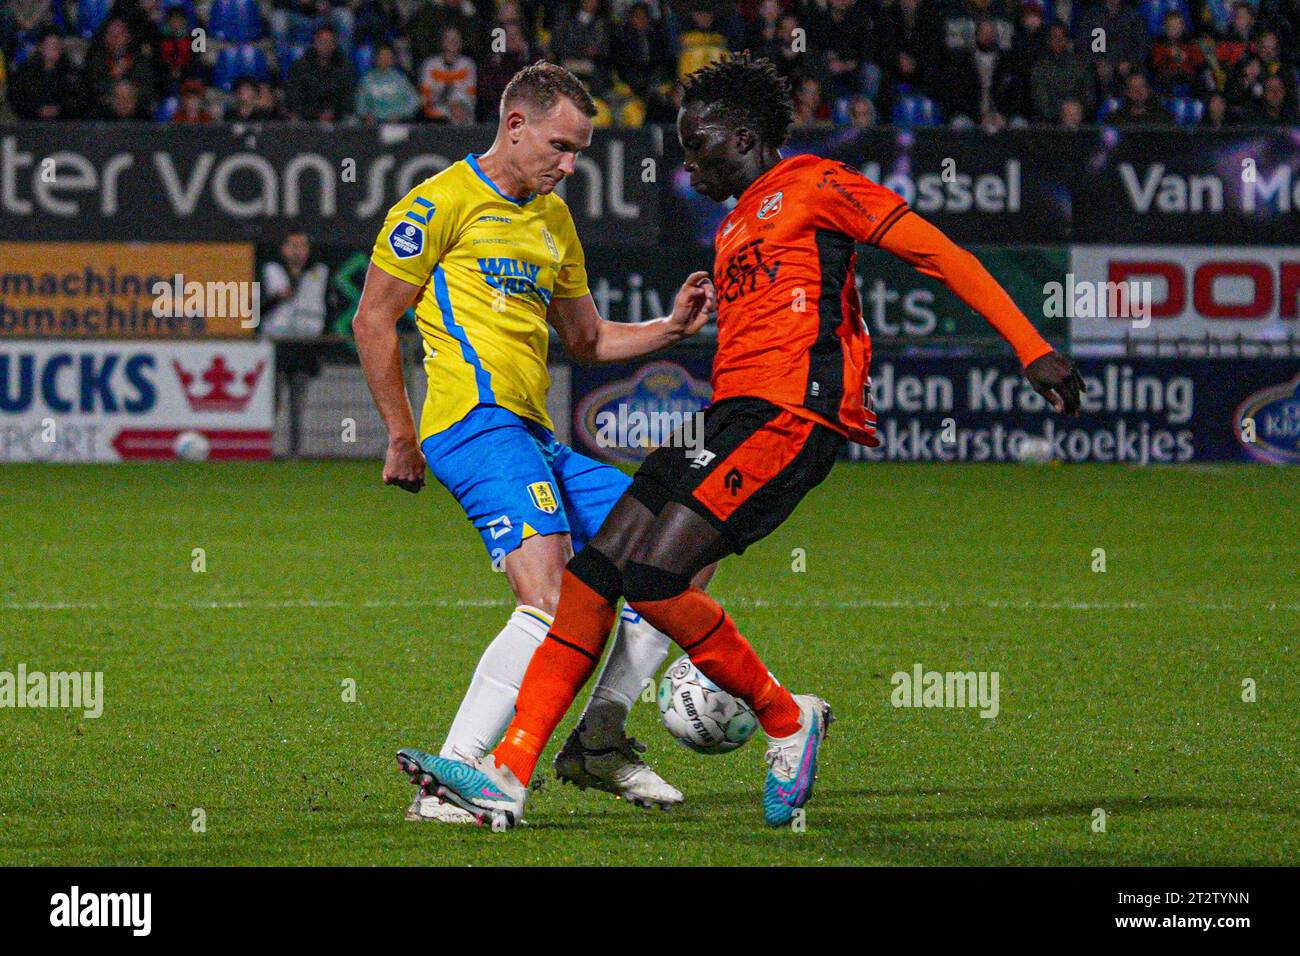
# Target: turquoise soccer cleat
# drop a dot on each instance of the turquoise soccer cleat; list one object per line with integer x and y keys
{"x": 488, "y": 792}
{"x": 792, "y": 762}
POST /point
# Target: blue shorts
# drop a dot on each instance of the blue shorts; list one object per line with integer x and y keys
{"x": 515, "y": 480}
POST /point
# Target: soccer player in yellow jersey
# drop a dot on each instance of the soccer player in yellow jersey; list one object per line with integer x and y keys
{"x": 489, "y": 256}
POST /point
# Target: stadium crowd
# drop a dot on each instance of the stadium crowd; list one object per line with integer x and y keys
{"x": 991, "y": 63}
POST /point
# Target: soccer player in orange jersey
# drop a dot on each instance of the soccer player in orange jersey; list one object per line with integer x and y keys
{"x": 790, "y": 388}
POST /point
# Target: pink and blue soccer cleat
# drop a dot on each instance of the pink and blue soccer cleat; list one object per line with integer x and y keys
{"x": 488, "y": 792}
{"x": 792, "y": 762}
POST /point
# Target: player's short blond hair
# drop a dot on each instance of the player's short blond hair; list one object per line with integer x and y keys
{"x": 542, "y": 84}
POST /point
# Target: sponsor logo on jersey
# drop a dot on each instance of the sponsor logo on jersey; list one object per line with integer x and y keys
{"x": 744, "y": 267}
{"x": 543, "y": 496}
{"x": 770, "y": 206}
{"x": 406, "y": 240}
{"x": 703, "y": 458}
{"x": 828, "y": 179}
{"x": 551, "y": 247}
{"x": 1273, "y": 414}
{"x": 513, "y": 277}
{"x": 506, "y": 219}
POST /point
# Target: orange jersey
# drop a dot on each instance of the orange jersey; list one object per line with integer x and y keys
{"x": 790, "y": 326}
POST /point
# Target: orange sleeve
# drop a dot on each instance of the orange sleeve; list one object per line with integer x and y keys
{"x": 929, "y": 251}
{"x": 848, "y": 202}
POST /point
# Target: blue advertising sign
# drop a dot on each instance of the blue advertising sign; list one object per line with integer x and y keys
{"x": 1136, "y": 411}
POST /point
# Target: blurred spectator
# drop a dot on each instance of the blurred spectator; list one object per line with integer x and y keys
{"x": 959, "y": 25}
{"x": 1283, "y": 18}
{"x": 809, "y": 107}
{"x": 1216, "y": 112}
{"x": 1237, "y": 39}
{"x": 640, "y": 53}
{"x": 144, "y": 19}
{"x": 293, "y": 290}
{"x": 385, "y": 94}
{"x": 581, "y": 45}
{"x": 376, "y": 22}
{"x": 115, "y": 57}
{"x": 22, "y": 21}
{"x": 1140, "y": 104}
{"x": 909, "y": 48}
{"x": 296, "y": 22}
{"x": 192, "y": 109}
{"x": 268, "y": 101}
{"x": 47, "y": 86}
{"x": 460, "y": 111}
{"x": 448, "y": 74}
{"x": 1245, "y": 87}
{"x": 1269, "y": 50}
{"x": 843, "y": 31}
{"x": 176, "y": 50}
{"x": 1216, "y": 16}
{"x": 862, "y": 113}
{"x": 321, "y": 81}
{"x": 978, "y": 81}
{"x": 497, "y": 69}
{"x": 124, "y": 102}
{"x": 791, "y": 56}
{"x": 664, "y": 109}
{"x": 1060, "y": 75}
{"x": 1030, "y": 44}
{"x": 1177, "y": 63}
{"x": 1072, "y": 116}
{"x": 246, "y": 107}
{"x": 1277, "y": 106}
{"x": 426, "y": 28}
{"x": 1113, "y": 35}
{"x": 763, "y": 38}
{"x": 701, "y": 42}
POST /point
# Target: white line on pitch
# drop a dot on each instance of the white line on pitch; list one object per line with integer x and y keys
{"x": 881, "y": 604}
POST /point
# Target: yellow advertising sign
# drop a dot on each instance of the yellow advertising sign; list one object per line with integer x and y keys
{"x": 155, "y": 290}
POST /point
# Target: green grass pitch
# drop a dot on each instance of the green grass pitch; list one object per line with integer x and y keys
{"x": 223, "y": 690}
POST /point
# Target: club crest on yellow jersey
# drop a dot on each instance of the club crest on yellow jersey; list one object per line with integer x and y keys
{"x": 543, "y": 496}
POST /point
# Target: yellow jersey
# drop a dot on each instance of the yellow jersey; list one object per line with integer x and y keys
{"x": 488, "y": 266}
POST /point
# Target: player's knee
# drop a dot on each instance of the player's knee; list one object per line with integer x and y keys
{"x": 593, "y": 568}
{"x": 645, "y": 582}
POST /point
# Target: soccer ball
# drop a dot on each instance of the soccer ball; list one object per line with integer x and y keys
{"x": 700, "y": 714}
{"x": 191, "y": 446}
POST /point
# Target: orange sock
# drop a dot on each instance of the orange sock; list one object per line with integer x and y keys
{"x": 706, "y": 632}
{"x": 559, "y": 668}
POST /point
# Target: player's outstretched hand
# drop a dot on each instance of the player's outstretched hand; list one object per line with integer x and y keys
{"x": 696, "y": 303}
{"x": 1056, "y": 378}
{"x": 404, "y": 465}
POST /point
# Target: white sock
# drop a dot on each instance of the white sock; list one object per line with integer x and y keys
{"x": 633, "y": 663}
{"x": 489, "y": 703}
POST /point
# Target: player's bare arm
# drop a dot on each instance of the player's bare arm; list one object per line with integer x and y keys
{"x": 591, "y": 340}
{"x": 929, "y": 251}
{"x": 384, "y": 300}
